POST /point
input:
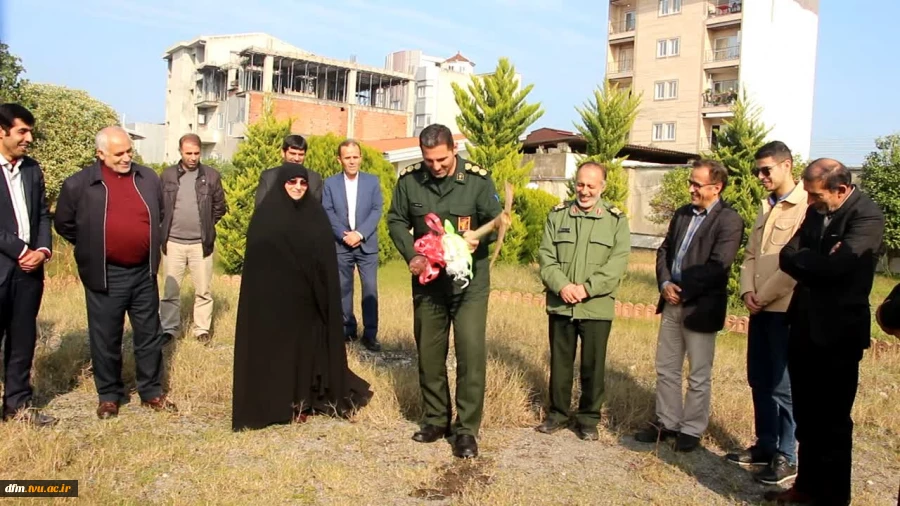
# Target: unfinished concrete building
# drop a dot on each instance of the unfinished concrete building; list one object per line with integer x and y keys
{"x": 217, "y": 84}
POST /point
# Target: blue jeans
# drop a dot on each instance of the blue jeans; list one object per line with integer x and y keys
{"x": 767, "y": 356}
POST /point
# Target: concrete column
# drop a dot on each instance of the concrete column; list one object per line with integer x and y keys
{"x": 268, "y": 73}
{"x": 351, "y": 87}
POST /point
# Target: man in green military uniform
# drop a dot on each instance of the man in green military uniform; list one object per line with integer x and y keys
{"x": 463, "y": 193}
{"x": 583, "y": 256}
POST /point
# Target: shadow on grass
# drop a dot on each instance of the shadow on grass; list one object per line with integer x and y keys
{"x": 60, "y": 371}
{"x": 630, "y": 406}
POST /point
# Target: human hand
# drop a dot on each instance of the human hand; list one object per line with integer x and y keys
{"x": 351, "y": 239}
{"x": 835, "y": 248}
{"x": 581, "y": 293}
{"x": 31, "y": 260}
{"x": 752, "y": 303}
{"x": 473, "y": 243}
{"x": 569, "y": 294}
{"x": 671, "y": 293}
{"x": 417, "y": 265}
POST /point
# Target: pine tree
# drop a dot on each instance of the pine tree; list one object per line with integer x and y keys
{"x": 605, "y": 123}
{"x": 494, "y": 116}
{"x": 260, "y": 150}
{"x": 738, "y": 140}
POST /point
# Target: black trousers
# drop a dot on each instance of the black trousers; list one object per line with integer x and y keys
{"x": 564, "y": 334}
{"x": 134, "y": 291}
{"x": 20, "y": 300}
{"x": 823, "y": 383}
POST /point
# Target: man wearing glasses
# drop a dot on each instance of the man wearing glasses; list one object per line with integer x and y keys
{"x": 767, "y": 291}
{"x": 692, "y": 267}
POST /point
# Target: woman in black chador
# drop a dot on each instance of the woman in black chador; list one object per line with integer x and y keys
{"x": 290, "y": 358}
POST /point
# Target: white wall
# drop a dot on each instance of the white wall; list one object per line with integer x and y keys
{"x": 778, "y": 66}
{"x": 152, "y": 147}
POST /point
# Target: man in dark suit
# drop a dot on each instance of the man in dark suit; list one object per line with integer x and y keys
{"x": 25, "y": 244}
{"x": 293, "y": 150}
{"x": 354, "y": 203}
{"x": 692, "y": 267}
{"x": 832, "y": 257}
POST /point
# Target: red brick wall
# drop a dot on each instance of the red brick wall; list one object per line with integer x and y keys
{"x": 313, "y": 118}
{"x": 371, "y": 125}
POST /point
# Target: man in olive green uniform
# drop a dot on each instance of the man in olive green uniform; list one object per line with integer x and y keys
{"x": 583, "y": 256}
{"x": 458, "y": 191}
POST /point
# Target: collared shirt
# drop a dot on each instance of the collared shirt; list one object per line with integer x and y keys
{"x": 830, "y": 214}
{"x": 13, "y": 177}
{"x": 351, "y": 186}
{"x": 696, "y": 221}
{"x": 773, "y": 199}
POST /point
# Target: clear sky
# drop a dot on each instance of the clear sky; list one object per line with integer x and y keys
{"x": 114, "y": 48}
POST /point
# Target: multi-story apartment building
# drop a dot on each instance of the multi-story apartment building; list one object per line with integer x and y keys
{"x": 434, "y": 78}
{"x": 216, "y": 86}
{"x": 691, "y": 58}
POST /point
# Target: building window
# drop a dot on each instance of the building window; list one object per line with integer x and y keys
{"x": 420, "y": 91}
{"x": 630, "y": 21}
{"x": 221, "y": 121}
{"x": 667, "y": 7}
{"x": 664, "y": 131}
{"x": 667, "y": 48}
{"x": 665, "y": 90}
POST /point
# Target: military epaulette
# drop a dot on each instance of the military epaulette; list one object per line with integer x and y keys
{"x": 560, "y": 206}
{"x": 474, "y": 169}
{"x": 409, "y": 169}
{"x": 615, "y": 211}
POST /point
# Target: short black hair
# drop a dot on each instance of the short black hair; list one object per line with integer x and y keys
{"x": 10, "y": 112}
{"x": 294, "y": 141}
{"x": 777, "y": 150}
{"x": 832, "y": 172}
{"x": 717, "y": 172}
{"x": 436, "y": 135}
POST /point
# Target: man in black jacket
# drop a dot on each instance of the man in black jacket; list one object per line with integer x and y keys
{"x": 24, "y": 247}
{"x": 833, "y": 257}
{"x": 692, "y": 267}
{"x": 111, "y": 211}
{"x": 293, "y": 150}
{"x": 193, "y": 202}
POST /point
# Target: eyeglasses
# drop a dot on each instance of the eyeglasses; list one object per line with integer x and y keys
{"x": 294, "y": 181}
{"x": 694, "y": 184}
{"x": 765, "y": 171}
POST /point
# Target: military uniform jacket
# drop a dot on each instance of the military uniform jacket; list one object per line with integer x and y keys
{"x": 468, "y": 198}
{"x": 589, "y": 248}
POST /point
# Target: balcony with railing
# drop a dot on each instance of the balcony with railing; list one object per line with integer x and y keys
{"x": 723, "y": 57}
{"x": 724, "y": 13}
{"x": 719, "y": 99}
{"x": 621, "y": 30}
{"x": 621, "y": 69}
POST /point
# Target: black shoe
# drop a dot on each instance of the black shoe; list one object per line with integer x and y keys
{"x": 429, "y": 434}
{"x": 653, "y": 433}
{"x": 465, "y": 446}
{"x": 587, "y": 432}
{"x": 686, "y": 442}
{"x": 167, "y": 338}
{"x": 777, "y": 472}
{"x": 29, "y": 416}
{"x": 371, "y": 343}
{"x": 550, "y": 426}
{"x": 752, "y": 456}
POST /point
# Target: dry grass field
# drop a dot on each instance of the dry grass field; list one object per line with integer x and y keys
{"x": 192, "y": 457}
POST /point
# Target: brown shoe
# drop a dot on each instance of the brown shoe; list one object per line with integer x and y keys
{"x": 160, "y": 404}
{"x": 789, "y": 496}
{"x": 204, "y": 338}
{"x": 107, "y": 410}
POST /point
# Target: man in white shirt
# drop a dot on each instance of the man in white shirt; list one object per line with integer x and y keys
{"x": 25, "y": 244}
{"x": 353, "y": 202}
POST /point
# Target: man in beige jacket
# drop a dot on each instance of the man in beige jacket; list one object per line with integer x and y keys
{"x": 767, "y": 291}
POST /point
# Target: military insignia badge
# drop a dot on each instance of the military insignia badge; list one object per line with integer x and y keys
{"x": 464, "y": 224}
{"x": 460, "y": 176}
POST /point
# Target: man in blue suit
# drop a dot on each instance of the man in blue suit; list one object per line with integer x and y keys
{"x": 353, "y": 201}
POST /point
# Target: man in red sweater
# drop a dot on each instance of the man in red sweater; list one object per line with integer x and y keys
{"x": 111, "y": 211}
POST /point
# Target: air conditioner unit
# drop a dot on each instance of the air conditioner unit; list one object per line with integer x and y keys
{"x": 201, "y": 119}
